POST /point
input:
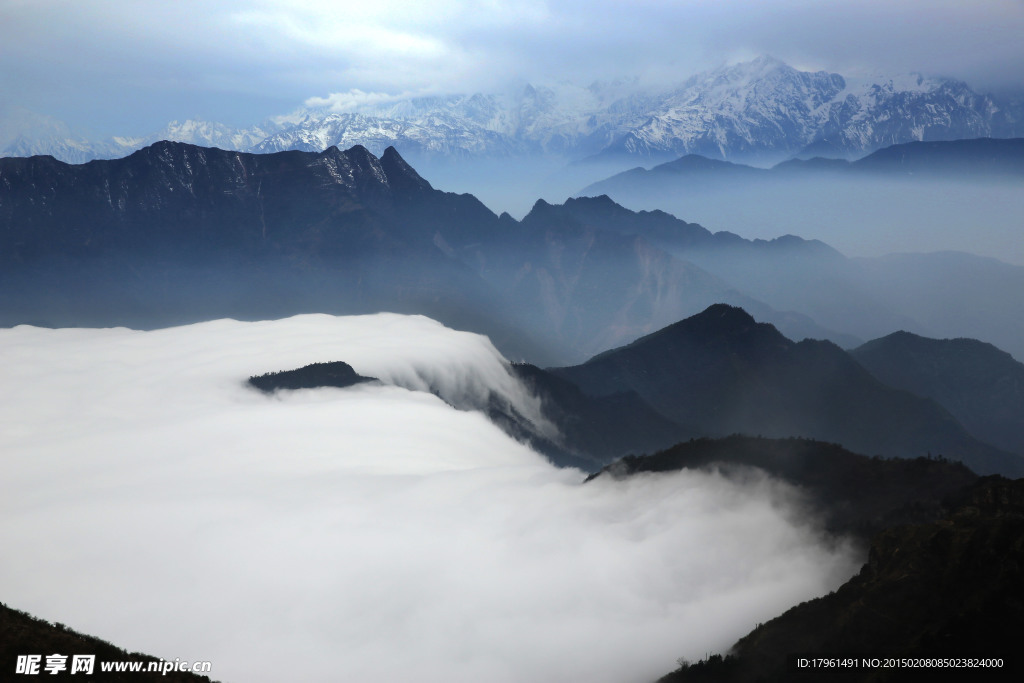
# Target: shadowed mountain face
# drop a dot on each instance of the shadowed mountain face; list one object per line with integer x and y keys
{"x": 977, "y": 383}
{"x": 721, "y": 372}
{"x": 176, "y": 233}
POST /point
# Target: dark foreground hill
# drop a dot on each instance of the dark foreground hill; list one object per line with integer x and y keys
{"x": 23, "y": 634}
{"x": 949, "y": 588}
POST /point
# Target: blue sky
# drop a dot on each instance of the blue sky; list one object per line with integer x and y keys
{"x": 128, "y": 67}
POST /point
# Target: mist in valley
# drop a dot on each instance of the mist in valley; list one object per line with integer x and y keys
{"x": 859, "y": 216}
{"x": 373, "y": 533}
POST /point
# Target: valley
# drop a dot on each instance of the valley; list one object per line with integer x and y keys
{"x": 508, "y": 343}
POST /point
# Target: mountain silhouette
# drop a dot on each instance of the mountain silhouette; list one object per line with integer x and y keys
{"x": 977, "y": 383}
{"x": 720, "y": 372}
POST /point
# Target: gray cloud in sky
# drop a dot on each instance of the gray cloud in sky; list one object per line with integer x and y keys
{"x": 124, "y": 64}
{"x": 366, "y": 534}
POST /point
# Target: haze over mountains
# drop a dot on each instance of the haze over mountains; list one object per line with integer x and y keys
{"x": 963, "y": 195}
{"x": 178, "y": 233}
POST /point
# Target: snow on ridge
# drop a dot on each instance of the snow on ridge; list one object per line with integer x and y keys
{"x": 763, "y": 106}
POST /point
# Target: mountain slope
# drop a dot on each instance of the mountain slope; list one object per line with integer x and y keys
{"x": 944, "y": 588}
{"x": 977, "y": 383}
{"x": 852, "y": 494}
{"x": 23, "y": 634}
{"x": 720, "y": 373}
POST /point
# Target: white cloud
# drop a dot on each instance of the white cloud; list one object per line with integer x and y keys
{"x": 355, "y": 99}
{"x": 368, "y": 534}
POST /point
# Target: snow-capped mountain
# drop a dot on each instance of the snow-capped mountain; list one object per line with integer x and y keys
{"x": 432, "y": 133}
{"x": 762, "y": 110}
{"x": 766, "y": 109}
{"x": 210, "y": 134}
{"x": 560, "y": 119}
{"x": 868, "y": 115}
{"x": 758, "y": 107}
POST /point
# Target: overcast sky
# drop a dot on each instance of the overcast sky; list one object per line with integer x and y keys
{"x": 127, "y": 66}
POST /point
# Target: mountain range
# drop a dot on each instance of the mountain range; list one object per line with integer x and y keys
{"x": 763, "y": 110}
{"x": 969, "y": 159}
{"x": 177, "y": 233}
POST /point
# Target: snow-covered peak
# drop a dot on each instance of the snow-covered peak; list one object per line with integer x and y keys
{"x": 760, "y": 111}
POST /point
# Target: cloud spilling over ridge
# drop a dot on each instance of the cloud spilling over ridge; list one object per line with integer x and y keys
{"x": 370, "y": 533}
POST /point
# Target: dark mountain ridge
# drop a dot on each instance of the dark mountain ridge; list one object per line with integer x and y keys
{"x": 173, "y": 194}
{"x": 336, "y": 374}
{"x": 972, "y": 158}
{"x": 721, "y": 372}
{"x": 977, "y": 383}
{"x": 851, "y": 494}
{"x": 945, "y": 588}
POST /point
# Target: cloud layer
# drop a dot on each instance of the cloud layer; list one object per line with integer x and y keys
{"x": 373, "y": 533}
{"x": 122, "y": 64}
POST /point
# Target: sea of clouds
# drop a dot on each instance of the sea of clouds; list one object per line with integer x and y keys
{"x": 374, "y": 533}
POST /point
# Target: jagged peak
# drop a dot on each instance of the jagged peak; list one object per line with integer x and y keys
{"x": 598, "y": 200}
{"x": 398, "y": 170}
{"x": 360, "y": 152}
{"x": 717, "y": 324}
{"x": 716, "y": 321}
